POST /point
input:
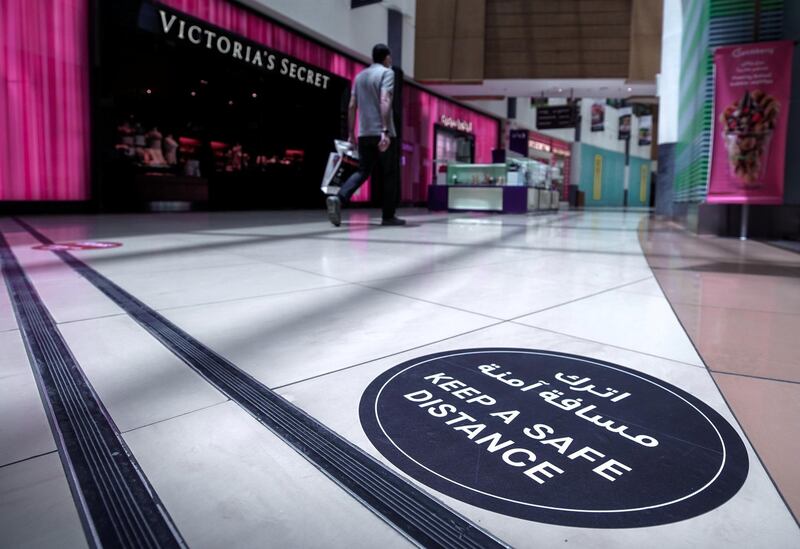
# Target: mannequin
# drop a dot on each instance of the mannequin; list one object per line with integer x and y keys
{"x": 154, "y": 156}
{"x": 170, "y": 150}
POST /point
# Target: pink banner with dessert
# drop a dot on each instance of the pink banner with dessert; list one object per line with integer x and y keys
{"x": 752, "y": 84}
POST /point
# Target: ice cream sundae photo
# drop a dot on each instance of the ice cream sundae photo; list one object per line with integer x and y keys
{"x": 747, "y": 129}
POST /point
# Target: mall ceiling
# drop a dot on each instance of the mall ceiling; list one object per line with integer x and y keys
{"x": 584, "y": 48}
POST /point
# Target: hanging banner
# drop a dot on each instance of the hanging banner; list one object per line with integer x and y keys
{"x": 598, "y": 117}
{"x": 752, "y": 84}
{"x": 645, "y": 130}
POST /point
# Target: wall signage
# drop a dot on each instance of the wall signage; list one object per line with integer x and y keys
{"x": 598, "y": 117}
{"x": 203, "y": 35}
{"x": 456, "y": 124}
{"x": 554, "y": 438}
{"x": 518, "y": 141}
{"x": 553, "y": 118}
{"x": 752, "y": 90}
{"x": 77, "y": 246}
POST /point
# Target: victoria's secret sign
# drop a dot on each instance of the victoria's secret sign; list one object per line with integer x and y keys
{"x": 197, "y": 34}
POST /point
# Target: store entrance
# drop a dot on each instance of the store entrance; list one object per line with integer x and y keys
{"x": 182, "y": 124}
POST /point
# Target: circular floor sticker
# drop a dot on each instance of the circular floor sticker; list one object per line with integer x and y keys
{"x": 554, "y": 437}
{"x": 76, "y": 246}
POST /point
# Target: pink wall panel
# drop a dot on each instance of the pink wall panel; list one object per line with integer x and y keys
{"x": 421, "y": 110}
{"x": 44, "y": 100}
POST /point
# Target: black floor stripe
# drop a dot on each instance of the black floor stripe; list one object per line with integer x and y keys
{"x": 409, "y": 509}
{"x": 117, "y": 506}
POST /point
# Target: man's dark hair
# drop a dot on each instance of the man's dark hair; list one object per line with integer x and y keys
{"x": 380, "y": 52}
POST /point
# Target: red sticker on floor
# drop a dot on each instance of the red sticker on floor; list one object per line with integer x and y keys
{"x": 76, "y": 246}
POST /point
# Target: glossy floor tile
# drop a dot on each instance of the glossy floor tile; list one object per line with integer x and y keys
{"x": 755, "y": 343}
{"x": 632, "y": 321}
{"x": 36, "y": 508}
{"x": 767, "y": 411}
{"x": 24, "y": 430}
{"x": 138, "y": 379}
{"x": 284, "y": 338}
{"x": 739, "y": 302}
{"x": 229, "y": 482}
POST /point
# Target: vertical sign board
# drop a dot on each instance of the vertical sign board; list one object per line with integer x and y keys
{"x": 597, "y": 187}
{"x": 598, "y": 117}
{"x": 553, "y": 437}
{"x": 752, "y": 85}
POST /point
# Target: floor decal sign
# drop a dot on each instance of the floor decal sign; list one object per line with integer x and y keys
{"x": 77, "y": 246}
{"x": 554, "y": 438}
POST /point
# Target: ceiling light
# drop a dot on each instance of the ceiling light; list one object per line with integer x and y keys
{"x": 254, "y": 95}
{"x": 630, "y": 89}
{"x": 148, "y": 91}
{"x": 230, "y": 102}
{"x": 194, "y": 93}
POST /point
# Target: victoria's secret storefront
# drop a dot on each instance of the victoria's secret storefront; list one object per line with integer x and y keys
{"x": 208, "y": 102}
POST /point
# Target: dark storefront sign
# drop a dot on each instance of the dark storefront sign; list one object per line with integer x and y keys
{"x": 553, "y": 118}
{"x": 176, "y": 25}
{"x": 518, "y": 141}
{"x": 553, "y": 437}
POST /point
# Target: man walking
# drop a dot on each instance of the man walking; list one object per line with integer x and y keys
{"x": 372, "y": 99}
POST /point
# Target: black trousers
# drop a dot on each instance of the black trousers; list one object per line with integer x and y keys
{"x": 369, "y": 158}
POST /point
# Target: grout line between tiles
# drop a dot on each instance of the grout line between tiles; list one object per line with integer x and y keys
{"x": 89, "y": 318}
{"x": 750, "y": 376}
{"x": 134, "y": 429}
{"x": 276, "y": 388}
{"x": 177, "y": 269}
{"x": 259, "y": 296}
{"x": 682, "y": 363}
{"x": 23, "y": 460}
{"x": 741, "y": 309}
{"x": 579, "y": 299}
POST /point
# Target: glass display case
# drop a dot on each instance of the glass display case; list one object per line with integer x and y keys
{"x": 476, "y": 174}
{"x": 516, "y": 186}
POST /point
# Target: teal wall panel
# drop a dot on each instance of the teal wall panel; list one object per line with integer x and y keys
{"x": 613, "y": 179}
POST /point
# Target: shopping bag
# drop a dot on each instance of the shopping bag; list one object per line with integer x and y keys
{"x": 341, "y": 165}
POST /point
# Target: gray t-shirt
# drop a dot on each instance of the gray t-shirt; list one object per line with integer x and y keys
{"x": 367, "y": 90}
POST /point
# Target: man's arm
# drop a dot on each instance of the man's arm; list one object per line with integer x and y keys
{"x": 387, "y": 90}
{"x": 386, "y": 108}
{"x": 351, "y": 119}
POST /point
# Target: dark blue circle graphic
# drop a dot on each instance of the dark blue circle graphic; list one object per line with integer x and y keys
{"x": 554, "y": 438}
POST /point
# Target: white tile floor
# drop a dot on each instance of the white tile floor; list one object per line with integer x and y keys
{"x": 318, "y": 313}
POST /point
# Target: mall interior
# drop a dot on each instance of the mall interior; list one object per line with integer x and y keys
{"x": 586, "y": 334}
